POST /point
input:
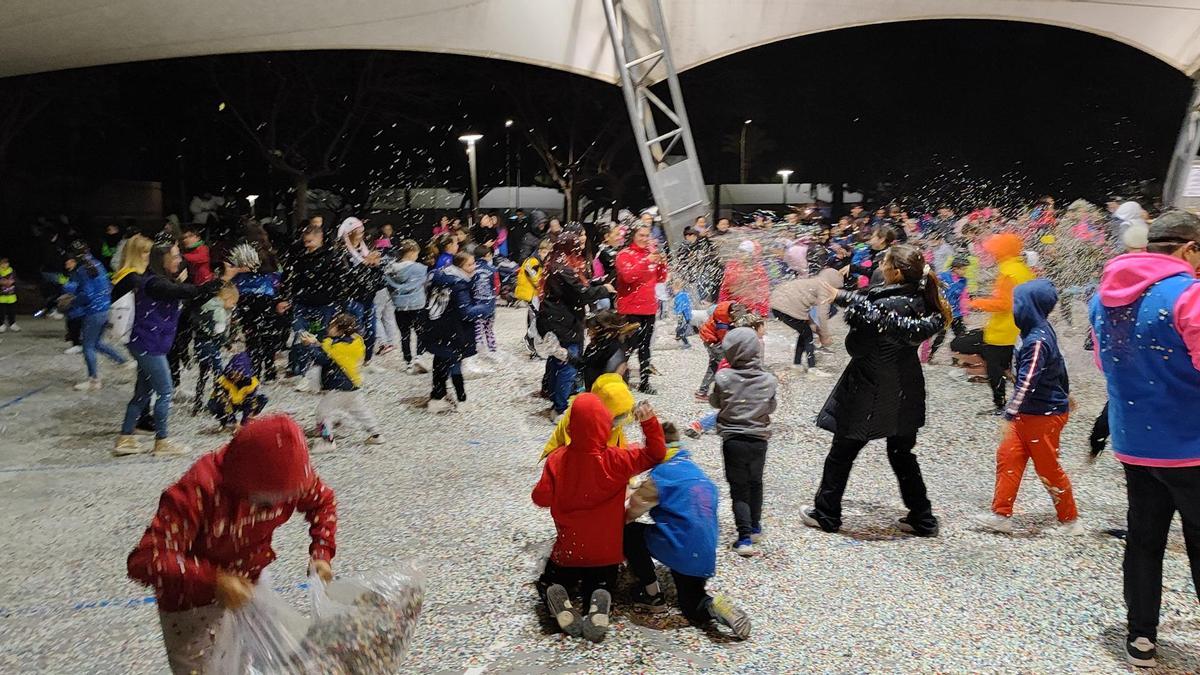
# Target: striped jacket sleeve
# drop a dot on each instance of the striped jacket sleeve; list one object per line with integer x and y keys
{"x": 1029, "y": 371}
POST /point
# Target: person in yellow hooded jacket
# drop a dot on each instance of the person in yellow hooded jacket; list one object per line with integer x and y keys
{"x": 617, "y": 399}
{"x": 235, "y": 394}
{"x": 995, "y": 343}
{"x": 341, "y": 356}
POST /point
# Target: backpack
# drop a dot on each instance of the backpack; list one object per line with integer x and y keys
{"x": 120, "y": 318}
{"x": 439, "y": 300}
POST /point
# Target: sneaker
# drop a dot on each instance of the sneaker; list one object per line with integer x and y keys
{"x": 1141, "y": 652}
{"x": 724, "y": 612}
{"x": 595, "y": 624}
{"x": 568, "y": 617}
{"x": 91, "y": 384}
{"x": 906, "y": 525}
{"x": 385, "y": 349}
{"x": 756, "y": 534}
{"x": 127, "y": 445}
{"x": 647, "y": 389}
{"x": 55, "y": 314}
{"x": 374, "y": 439}
{"x": 15, "y": 328}
{"x": 419, "y": 368}
{"x": 817, "y": 372}
{"x": 744, "y": 547}
{"x": 556, "y": 417}
{"x": 693, "y": 430}
{"x": 702, "y": 397}
{"x": 990, "y": 412}
{"x": 3, "y": 328}
{"x": 73, "y": 349}
{"x": 410, "y": 369}
{"x": 165, "y": 447}
{"x": 808, "y": 515}
{"x": 995, "y": 523}
{"x": 440, "y": 405}
{"x": 1071, "y": 528}
{"x": 654, "y": 604}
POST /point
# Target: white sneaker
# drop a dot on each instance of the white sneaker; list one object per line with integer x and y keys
{"x": 73, "y": 349}
{"x": 1071, "y": 528}
{"x": 92, "y": 384}
{"x": 440, "y": 405}
{"x": 15, "y": 328}
{"x": 3, "y": 328}
{"x": 995, "y": 523}
{"x": 54, "y": 314}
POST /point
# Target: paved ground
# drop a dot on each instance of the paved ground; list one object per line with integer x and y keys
{"x": 452, "y": 493}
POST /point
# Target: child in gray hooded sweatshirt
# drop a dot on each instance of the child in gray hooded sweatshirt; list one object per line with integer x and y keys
{"x": 744, "y": 395}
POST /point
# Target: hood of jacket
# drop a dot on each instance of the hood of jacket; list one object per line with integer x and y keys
{"x": 1126, "y": 277}
{"x": 268, "y": 457}
{"x": 614, "y": 394}
{"x": 591, "y": 424}
{"x": 743, "y": 348}
{"x": 449, "y": 276}
{"x": 1032, "y": 303}
{"x": 1003, "y": 246}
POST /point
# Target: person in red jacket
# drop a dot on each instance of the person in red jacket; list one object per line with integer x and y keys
{"x": 746, "y": 281}
{"x": 211, "y": 537}
{"x": 195, "y": 254}
{"x": 712, "y": 333}
{"x": 583, "y": 484}
{"x": 639, "y": 268}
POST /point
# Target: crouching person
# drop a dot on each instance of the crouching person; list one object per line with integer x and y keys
{"x": 682, "y": 500}
{"x": 211, "y": 537}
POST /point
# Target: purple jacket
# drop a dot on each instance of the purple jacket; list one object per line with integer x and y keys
{"x": 156, "y": 311}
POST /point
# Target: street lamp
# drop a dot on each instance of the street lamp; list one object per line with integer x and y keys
{"x": 252, "y": 199}
{"x": 470, "y": 139}
{"x": 745, "y": 168}
{"x": 785, "y": 173}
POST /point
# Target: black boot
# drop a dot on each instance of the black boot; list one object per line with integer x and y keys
{"x": 460, "y": 387}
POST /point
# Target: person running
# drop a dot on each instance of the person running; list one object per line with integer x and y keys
{"x": 1146, "y": 317}
{"x": 639, "y": 269}
{"x": 1036, "y": 414}
{"x": 881, "y": 393}
{"x": 91, "y": 297}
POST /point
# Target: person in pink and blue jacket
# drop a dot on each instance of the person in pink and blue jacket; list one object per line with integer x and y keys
{"x": 1146, "y": 321}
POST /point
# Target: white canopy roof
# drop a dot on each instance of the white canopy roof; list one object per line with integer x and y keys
{"x": 42, "y": 35}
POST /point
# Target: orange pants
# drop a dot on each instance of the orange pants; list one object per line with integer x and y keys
{"x": 1036, "y": 437}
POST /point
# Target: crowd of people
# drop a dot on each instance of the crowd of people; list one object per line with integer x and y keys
{"x": 337, "y": 298}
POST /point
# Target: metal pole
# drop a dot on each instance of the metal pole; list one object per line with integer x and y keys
{"x": 742, "y": 164}
{"x": 1185, "y": 152}
{"x": 785, "y": 184}
{"x": 474, "y": 180}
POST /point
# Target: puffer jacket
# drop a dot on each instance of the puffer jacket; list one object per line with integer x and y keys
{"x": 527, "y": 279}
{"x": 564, "y": 300}
{"x": 91, "y": 288}
{"x": 743, "y": 393}
{"x": 1001, "y": 330}
{"x": 1042, "y": 385}
{"x": 682, "y": 500}
{"x": 583, "y": 485}
{"x": 406, "y": 280}
{"x": 452, "y": 335}
{"x": 881, "y": 392}
{"x": 636, "y": 278}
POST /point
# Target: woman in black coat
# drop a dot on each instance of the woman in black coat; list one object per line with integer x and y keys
{"x": 881, "y": 394}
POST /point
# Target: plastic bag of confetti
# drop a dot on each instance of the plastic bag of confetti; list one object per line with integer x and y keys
{"x": 359, "y": 626}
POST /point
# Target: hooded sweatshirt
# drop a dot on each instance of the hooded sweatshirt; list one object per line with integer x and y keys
{"x": 617, "y": 399}
{"x": 1146, "y": 319}
{"x": 795, "y": 298}
{"x": 207, "y": 521}
{"x": 743, "y": 393}
{"x": 682, "y": 500}
{"x": 1042, "y": 386}
{"x": 583, "y": 485}
{"x": 1000, "y": 329}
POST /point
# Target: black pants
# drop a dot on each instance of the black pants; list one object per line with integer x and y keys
{"x": 642, "y": 338}
{"x": 1155, "y": 494}
{"x": 74, "y": 329}
{"x": 998, "y": 359}
{"x": 804, "y": 338}
{"x": 409, "y": 322}
{"x": 260, "y": 324}
{"x": 843, "y": 452}
{"x": 1100, "y": 431}
{"x": 447, "y": 367}
{"x": 745, "y": 459}
{"x": 692, "y": 597}
{"x": 956, "y": 325}
{"x": 180, "y": 353}
{"x": 8, "y": 314}
{"x": 585, "y": 580}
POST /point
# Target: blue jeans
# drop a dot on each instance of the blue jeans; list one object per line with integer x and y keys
{"x": 153, "y": 376}
{"x": 89, "y": 335}
{"x": 562, "y": 378}
{"x": 364, "y": 314}
{"x": 300, "y": 356}
{"x": 709, "y": 421}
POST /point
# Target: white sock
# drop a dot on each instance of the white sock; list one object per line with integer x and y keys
{"x": 652, "y": 589}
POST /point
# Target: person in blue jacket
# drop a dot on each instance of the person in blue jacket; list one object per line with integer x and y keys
{"x": 91, "y": 293}
{"x": 450, "y": 333}
{"x": 682, "y": 500}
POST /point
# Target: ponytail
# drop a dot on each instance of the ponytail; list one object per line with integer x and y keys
{"x": 913, "y": 268}
{"x": 931, "y": 287}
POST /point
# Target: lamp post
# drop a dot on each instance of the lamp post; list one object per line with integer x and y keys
{"x": 470, "y": 139}
{"x": 745, "y": 168}
{"x": 784, "y": 173}
{"x": 507, "y": 157}
{"x": 252, "y": 199}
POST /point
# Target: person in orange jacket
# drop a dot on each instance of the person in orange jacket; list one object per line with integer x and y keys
{"x": 712, "y": 333}
{"x": 995, "y": 343}
{"x": 583, "y": 484}
{"x": 211, "y": 537}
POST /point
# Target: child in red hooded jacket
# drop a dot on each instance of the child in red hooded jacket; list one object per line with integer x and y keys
{"x": 583, "y": 484}
{"x": 211, "y": 537}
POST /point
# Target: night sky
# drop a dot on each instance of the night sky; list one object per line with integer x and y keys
{"x": 982, "y": 110}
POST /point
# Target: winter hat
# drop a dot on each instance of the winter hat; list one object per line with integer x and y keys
{"x": 1136, "y": 236}
{"x": 349, "y": 225}
{"x": 1004, "y": 245}
{"x": 360, "y": 252}
{"x": 240, "y": 365}
{"x": 268, "y": 457}
{"x": 614, "y": 393}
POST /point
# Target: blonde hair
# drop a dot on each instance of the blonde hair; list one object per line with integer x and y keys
{"x": 228, "y": 291}
{"x": 136, "y": 253}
